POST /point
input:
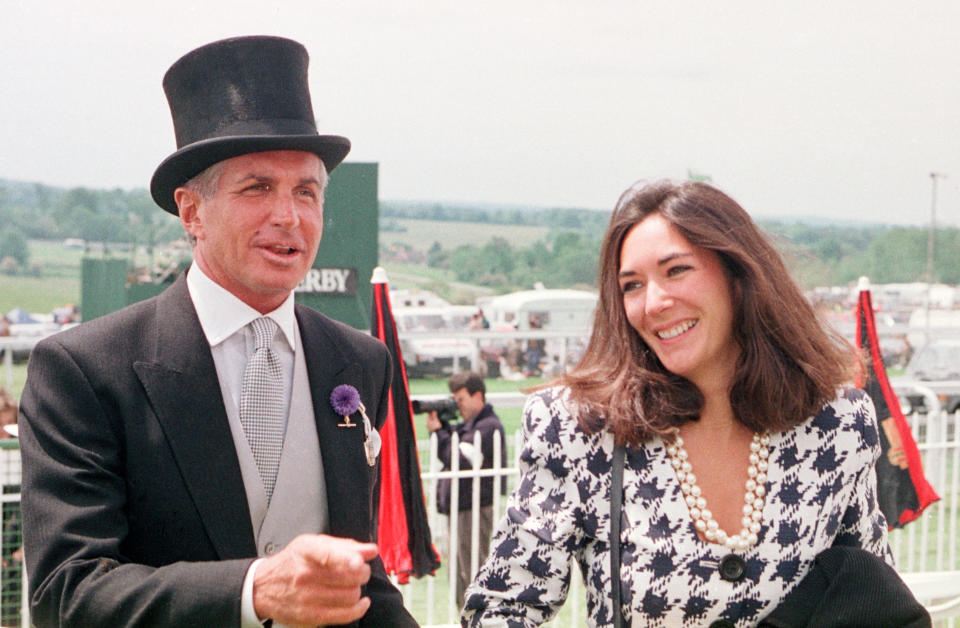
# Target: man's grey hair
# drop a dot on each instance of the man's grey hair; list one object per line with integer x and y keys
{"x": 205, "y": 184}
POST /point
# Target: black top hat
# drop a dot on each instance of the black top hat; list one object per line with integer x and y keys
{"x": 238, "y": 96}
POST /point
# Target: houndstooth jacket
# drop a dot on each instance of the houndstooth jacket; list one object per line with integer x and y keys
{"x": 821, "y": 491}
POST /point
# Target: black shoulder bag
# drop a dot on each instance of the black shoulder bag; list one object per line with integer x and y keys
{"x": 616, "y": 505}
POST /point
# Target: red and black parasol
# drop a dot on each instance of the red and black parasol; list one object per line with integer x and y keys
{"x": 404, "y": 535}
{"x": 902, "y": 488}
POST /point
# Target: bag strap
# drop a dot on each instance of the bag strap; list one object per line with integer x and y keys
{"x": 616, "y": 505}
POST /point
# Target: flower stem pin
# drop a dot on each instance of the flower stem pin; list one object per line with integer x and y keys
{"x": 345, "y": 400}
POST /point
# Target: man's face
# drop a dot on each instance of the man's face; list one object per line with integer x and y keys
{"x": 469, "y": 405}
{"x": 258, "y": 235}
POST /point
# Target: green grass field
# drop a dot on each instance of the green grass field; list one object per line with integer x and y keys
{"x": 37, "y": 294}
{"x": 57, "y": 284}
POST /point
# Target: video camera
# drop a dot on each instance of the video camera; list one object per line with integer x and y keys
{"x": 446, "y": 409}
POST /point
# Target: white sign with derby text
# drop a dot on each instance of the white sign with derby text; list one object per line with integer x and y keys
{"x": 329, "y": 281}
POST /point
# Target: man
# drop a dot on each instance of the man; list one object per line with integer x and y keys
{"x": 470, "y": 394}
{"x": 168, "y": 445}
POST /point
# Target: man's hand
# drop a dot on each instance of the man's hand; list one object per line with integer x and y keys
{"x": 315, "y": 580}
{"x": 433, "y": 421}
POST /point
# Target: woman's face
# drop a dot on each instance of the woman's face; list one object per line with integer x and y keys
{"x": 677, "y": 297}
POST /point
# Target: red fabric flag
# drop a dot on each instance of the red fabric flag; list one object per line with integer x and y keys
{"x": 902, "y": 488}
{"x": 404, "y": 534}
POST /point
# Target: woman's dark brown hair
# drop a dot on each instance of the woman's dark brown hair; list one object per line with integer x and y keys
{"x": 790, "y": 363}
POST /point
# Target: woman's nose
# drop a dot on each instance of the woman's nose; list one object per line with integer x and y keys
{"x": 657, "y": 298}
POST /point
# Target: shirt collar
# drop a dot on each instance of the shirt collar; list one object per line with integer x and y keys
{"x": 222, "y": 314}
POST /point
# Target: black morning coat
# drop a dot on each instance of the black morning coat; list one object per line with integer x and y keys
{"x": 134, "y": 510}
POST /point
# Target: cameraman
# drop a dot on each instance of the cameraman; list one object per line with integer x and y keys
{"x": 469, "y": 392}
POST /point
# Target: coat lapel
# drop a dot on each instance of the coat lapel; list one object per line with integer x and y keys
{"x": 184, "y": 391}
{"x": 345, "y": 469}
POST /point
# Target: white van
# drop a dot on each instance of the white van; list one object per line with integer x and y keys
{"x": 542, "y": 309}
{"x": 554, "y": 309}
{"x": 942, "y": 323}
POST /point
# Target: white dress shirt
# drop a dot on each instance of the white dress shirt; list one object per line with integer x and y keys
{"x": 225, "y": 321}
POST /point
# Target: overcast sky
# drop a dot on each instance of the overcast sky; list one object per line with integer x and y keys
{"x": 832, "y": 109}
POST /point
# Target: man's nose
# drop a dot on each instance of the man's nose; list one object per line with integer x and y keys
{"x": 284, "y": 212}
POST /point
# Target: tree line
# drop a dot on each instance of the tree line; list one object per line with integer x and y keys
{"x": 818, "y": 253}
{"x": 43, "y": 212}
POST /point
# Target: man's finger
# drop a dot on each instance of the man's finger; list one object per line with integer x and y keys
{"x": 329, "y": 550}
{"x": 338, "y": 576}
{"x": 337, "y": 616}
{"x": 323, "y": 616}
{"x": 336, "y": 561}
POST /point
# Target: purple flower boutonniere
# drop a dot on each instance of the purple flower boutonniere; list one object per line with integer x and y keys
{"x": 345, "y": 400}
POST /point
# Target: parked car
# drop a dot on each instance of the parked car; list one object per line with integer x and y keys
{"x": 434, "y": 350}
{"x": 934, "y": 364}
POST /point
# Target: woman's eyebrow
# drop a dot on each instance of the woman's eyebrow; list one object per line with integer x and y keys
{"x": 672, "y": 256}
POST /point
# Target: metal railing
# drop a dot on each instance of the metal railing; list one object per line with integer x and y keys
{"x": 563, "y": 347}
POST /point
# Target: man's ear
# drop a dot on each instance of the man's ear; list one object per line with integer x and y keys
{"x": 188, "y": 206}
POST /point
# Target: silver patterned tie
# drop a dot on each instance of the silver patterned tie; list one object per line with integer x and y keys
{"x": 261, "y": 403}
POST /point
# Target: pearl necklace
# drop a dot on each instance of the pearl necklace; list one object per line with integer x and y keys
{"x": 753, "y": 500}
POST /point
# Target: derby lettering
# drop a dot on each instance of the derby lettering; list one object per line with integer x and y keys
{"x": 334, "y": 279}
{"x": 329, "y": 281}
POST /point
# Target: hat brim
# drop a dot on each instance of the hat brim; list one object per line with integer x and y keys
{"x": 193, "y": 159}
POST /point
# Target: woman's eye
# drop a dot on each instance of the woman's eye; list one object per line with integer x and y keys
{"x": 677, "y": 270}
{"x": 630, "y": 286}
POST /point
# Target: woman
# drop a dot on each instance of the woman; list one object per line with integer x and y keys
{"x": 746, "y": 453}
